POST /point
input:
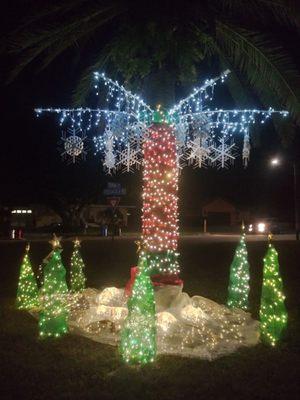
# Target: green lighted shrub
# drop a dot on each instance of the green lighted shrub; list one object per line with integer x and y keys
{"x": 238, "y": 290}
{"x": 27, "y": 293}
{"x": 273, "y": 314}
{"x": 138, "y": 336}
{"x": 77, "y": 277}
{"x": 54, "y": 314}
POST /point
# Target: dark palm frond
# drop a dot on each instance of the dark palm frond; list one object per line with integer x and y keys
{"x": 47, "y": 11}
{"x": 85, "y": 30}
{"x": 144, "y": 45}
{"x": 53, "y": 31}
{"x": 140, "y": 55}
{"x": 85, "y": 83}
{"x": 285, "y": 127}
{"x": 287, "y": 130}
{"x": 58, "y": 38}
{"x": 241, "y": 94}
{"x": 286, "y": 12}
{"x": 244, "y": 98}
{"x": 267, "y": 68}
{"x": 35, "y": 28}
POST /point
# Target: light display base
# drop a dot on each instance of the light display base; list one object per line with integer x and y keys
{"x": 186, "y": 326}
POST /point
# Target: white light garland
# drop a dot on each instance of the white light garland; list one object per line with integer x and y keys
{"x": 195, "y": 99}
{"x": 127, "y": 118}
{"x": 132, "y": 103}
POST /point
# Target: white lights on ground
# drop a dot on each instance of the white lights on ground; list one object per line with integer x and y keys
{"x": 186, "y": 326}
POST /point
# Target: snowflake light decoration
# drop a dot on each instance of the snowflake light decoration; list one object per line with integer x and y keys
{"x": 73, "y": 144}
{"x": 222, "y": 153}
{"x": 180, "y": 155}
{"x": 109, "y": 161}
{"x": 137, "y": 130}
{"x": 119, "y": 125}
{"x": 246, "y": 149}
{"x": 181, "y": 130}
{"x": 100, "y": 141}
{"x": 129, "y": 158}
{"x": 201, "y": 125}
{"x": 200, "y": 152}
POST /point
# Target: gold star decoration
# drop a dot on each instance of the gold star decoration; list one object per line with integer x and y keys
{"x": 140, "y": 246}
{"x": 76, "y": 242}
{"x": 55, "y": 242}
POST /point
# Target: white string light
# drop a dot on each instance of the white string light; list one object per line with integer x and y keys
{"x": 127, "y": 117}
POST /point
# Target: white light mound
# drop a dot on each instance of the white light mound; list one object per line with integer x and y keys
{"x": 186, "y": 326}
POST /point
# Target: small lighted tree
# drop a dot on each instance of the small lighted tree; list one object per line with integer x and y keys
{"x": 273, "y": 314}
{"x": 27, "y": 293}
{"x": 138, "y": 337}
{"x": 54, "y": 314}
{"x": 238, "y": 290}
{"x": 77, "y": 277}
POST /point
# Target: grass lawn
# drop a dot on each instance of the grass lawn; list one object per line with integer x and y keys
{"x": 77, "y": 368}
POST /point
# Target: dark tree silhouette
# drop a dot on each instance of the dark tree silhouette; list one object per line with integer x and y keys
{"x": 167, "y": 42}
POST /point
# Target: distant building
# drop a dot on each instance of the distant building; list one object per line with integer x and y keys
{"x": 219, "y": 215}
{"x": 38, "y": 217}
{"x": 100, "y": 213}
{"x": 33, "y": 217}
{"x": 222, "y": 213}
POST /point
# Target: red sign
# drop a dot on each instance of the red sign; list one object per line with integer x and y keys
{"x": 113, "y": 201}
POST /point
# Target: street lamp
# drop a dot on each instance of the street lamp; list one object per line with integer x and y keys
{"x": 274, "y": 162}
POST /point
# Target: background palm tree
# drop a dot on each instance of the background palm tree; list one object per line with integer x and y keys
{"x": 168, "y": 43}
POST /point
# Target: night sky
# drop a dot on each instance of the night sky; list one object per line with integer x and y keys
{"x": 31, "y": 168}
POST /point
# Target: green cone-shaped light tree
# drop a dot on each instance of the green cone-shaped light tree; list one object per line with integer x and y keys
{"x": 27, "y": 293}
{"x": 54, "y": 314}
{"x": 77, "y": 277}
{"x": 238, "y": 290}
{"x": 138, "y": 336}
{"x": 273, "y": 314}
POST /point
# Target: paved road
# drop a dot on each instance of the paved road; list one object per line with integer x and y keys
{"x": 209, "y": 237}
